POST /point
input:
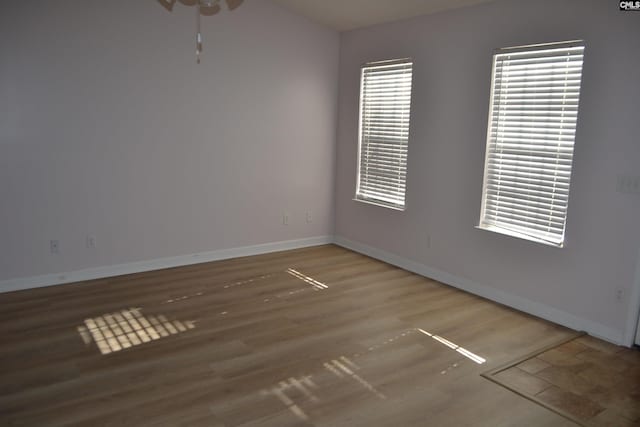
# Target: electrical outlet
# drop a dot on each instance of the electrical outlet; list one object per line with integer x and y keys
{"x": 91, "y": 242}
{"x": 285, "y": 218}
{"x": 309, "y": 217}
{"x": 619, "y": 294}
{"x": 428, "y": 240}
{"x": 54, "y": 246}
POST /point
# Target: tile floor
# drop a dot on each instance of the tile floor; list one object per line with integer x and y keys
{"x": 590, "y": 381}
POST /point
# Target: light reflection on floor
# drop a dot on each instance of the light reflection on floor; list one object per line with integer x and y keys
{"x": 281, "y": 295}
{"x": 313, "y": 282}
{"x": 302, "y": 385}
{"x": 463, "y": 351}
{"x": 247, "y": 281}
{"x": 340, "y": 369}
{"x": 303, "y": 395}
{"x": 127, "y": 328}
{"x": 183, "y": 298}
{"x": 305, "y": 387}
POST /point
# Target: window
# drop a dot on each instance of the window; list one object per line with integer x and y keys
{"x": 385, "y": 101}
{"x": 530, "y": 138}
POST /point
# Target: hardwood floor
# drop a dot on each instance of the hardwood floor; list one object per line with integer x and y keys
{"x": 312, "y": 337}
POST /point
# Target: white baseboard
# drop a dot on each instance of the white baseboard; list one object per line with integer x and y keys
{"x": 632, "y": 332}
{"x": 22, "y": 283}
{"x": 535, "y": 308}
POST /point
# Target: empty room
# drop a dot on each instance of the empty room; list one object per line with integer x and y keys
{"x": 320, "y": 213}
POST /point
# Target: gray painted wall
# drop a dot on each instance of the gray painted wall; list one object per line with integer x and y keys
{"x": 109, "y": 128}
{"x": 452, "y": 54}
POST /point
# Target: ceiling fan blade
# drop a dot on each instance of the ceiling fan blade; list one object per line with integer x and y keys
{"x": 208, "y": 10}
{"x": 189, "y": 2}
{"x": 233, "y": 4}
{"x": 167, "y": 4}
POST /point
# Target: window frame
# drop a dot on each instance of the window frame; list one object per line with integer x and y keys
{"x": 359, "y": 196}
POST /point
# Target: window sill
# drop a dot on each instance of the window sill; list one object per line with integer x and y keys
{"x": 517, "y": 235}
{"x": 380, "y": 204}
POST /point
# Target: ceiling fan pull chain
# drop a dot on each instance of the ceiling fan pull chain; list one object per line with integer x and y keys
{"x": 198, "y": 34}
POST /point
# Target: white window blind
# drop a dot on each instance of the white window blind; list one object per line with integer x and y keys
{"x": 531, "y": 133}
{"x": 385, "y": 101}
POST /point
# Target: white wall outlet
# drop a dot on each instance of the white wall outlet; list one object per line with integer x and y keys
{"x": 619, "y": 294}
{"x": 54, "y": 246}
{"x": 285, "y": 218}
{"x": 91, "y": 242}
{"x": 309, "y": 217}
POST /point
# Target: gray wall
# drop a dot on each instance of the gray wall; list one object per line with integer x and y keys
{"x": 452, "y": 66}
{"x": 109, "y": 128}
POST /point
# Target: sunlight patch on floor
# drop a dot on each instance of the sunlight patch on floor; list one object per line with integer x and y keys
{"x": 313, "y": 282}
{"x": 247, "y": 281}
{"x": 127, "y": 328}
{"x": 463, "y": 351}
{"x": 183, "y": 298}
{"x": 303, "y": 385}
{"x": 345, "y": 367}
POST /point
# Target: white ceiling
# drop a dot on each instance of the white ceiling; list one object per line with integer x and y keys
{"x": 344, "y": 15}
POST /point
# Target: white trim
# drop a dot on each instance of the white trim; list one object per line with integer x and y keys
{"x": 519, "y": 303}
{"x": 375, "y": 202}
{"x": 22, "y": 283}
{"x": 632, "y": 329}
{"x": 511, "y": 233}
